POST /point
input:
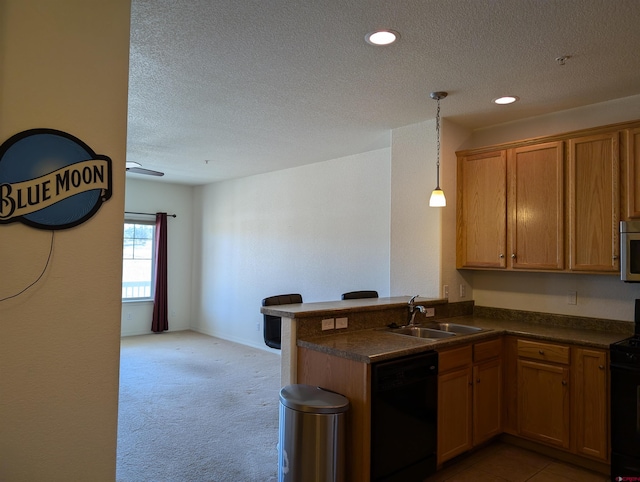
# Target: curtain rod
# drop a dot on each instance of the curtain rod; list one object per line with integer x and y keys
{"x": 149, "y": 214}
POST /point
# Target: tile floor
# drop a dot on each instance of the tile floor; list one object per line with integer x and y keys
{"x": 502, "y": 462}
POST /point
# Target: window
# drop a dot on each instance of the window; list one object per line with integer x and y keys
{"x": 137, "y": 260}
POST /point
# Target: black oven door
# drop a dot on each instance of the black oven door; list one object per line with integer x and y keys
{"x": 625, "y": 420}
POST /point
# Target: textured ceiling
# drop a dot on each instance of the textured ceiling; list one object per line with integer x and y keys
{"x": 254, "y": 86}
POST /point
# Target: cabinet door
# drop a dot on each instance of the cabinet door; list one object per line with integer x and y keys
{"x": 487, "y": 400}
{"x": 510, "y": 385}
{"x": 633, "y": 173}
{"x": 543, "y": 402}
{"x": 482, "y": 211}
{"x": 589, "y": 371}
{"x": 594, "y": 203}
{"x": 454, "y": 413}
{"x": 536, "y": 212}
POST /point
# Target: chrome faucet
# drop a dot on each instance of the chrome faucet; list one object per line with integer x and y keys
{"x": 413, "y": 309}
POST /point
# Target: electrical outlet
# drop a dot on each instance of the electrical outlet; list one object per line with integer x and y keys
{"x": 429, "y": 312}
{"x": 463, "y": 291}
{"x": 445, "y": 291}
{"x": 342, "y": 322}
{"x": 572, "y": 298}
{"x": 328, "y": 324}
{"x": 128, "y": 316}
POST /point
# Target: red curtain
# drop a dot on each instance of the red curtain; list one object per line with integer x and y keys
{"x": 160, "y": 321}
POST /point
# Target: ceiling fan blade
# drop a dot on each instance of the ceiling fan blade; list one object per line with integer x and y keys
{"x": 140, "y": 170}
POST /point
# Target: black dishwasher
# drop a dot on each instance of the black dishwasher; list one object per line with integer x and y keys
{"x": 404, "y": 402}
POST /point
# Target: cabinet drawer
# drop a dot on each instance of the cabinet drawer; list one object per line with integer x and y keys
{"x": 487, "y": 349}
{"x": 454, "y": 358}
{"x": 543, "y": 351}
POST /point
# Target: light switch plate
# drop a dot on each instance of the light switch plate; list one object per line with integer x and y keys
{"x": 328, "y": 324}
{"x": 342, "y": 322}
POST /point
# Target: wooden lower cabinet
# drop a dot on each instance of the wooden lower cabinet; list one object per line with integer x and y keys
{"x": 550, "y": 393}
{"x": 469, "y": 397}
{"x": 591, "y": 403}
{"x": 455, "y": 391}
{"x": 562, "y": 396}
{"x": 543, "y": 402}
{"x": 543, "y": 392}
{"x": 487, "y": 401}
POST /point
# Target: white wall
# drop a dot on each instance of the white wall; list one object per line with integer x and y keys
{"x": 318, "y": 230}
{"x": 416, "y": 229}
{"x": 612, "y": 112}
{"x": 63, "y": 65}
{"x": 151, "y": 197}
{"x": 452, "y": 136}
{"x": 363, "y": 222}
{"x": 598, "y": 296}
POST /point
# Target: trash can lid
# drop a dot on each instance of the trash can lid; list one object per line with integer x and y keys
{"x": 309, "y": 398}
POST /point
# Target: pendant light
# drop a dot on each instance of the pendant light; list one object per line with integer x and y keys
{"x": 437, "y": 196}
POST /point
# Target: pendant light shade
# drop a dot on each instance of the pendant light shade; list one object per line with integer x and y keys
{"x": 437, "y": 199}
{"x": 437, "y": 196}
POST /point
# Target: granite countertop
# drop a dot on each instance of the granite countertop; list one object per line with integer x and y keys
{"x": 373, "y": 345}
{"x": 343, "y": 307}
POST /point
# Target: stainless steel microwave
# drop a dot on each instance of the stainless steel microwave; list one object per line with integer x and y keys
{"x": 630, "y": 251}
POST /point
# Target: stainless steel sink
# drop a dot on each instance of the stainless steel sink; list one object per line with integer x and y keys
{"x": 422, "y": 332}
{"x": 436, "y": 330}
{"x": 455, "y": 328}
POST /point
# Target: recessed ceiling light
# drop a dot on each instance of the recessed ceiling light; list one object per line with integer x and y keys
{"x": 382, "y": 37}
{"x": 507, "y": 99}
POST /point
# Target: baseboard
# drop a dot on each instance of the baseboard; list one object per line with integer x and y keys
{"x": 589, "y": 464}
{"x": 149, "y": 332}
{"x": 240, "y": 341}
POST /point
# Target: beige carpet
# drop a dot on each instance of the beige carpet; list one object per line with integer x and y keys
{"x": 194, "y": 408}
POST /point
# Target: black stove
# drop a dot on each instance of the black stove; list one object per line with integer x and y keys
{"x": 629, "y": 345}
{"x": 625, "y": 405}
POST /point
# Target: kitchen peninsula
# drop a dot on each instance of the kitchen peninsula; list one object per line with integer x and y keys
{"x": 301, "y": 321}
{"x": 515, "y": 350}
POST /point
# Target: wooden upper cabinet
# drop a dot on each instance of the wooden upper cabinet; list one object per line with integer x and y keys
{"x": 594, "y": 203}
{"x": 535, "y": 202}
{"x": 551, "y": 203}
{"x": 632, "y": 174}
{"x": 510, "y": 208}
{"x": 482, "y": 210}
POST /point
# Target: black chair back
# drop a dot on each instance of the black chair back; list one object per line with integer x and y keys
{"x": 354, "y": 295}
{"x": 272, "y": 328}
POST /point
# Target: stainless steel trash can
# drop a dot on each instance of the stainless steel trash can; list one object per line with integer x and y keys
{"x": 311, "y": 441}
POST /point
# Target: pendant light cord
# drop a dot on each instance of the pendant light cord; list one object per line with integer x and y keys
{"x": 438, "y": 144}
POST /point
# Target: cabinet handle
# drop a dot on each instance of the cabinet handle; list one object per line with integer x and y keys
{"x": 513, "y": 255}
{"x": 478, "y": 380}
{"x": 564, "y": 382}
{"x": 601, "y": 367}
{"x": 501, "y": 256}
{"x": 541, "y": 352}
{"x": 615, "y": 257}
